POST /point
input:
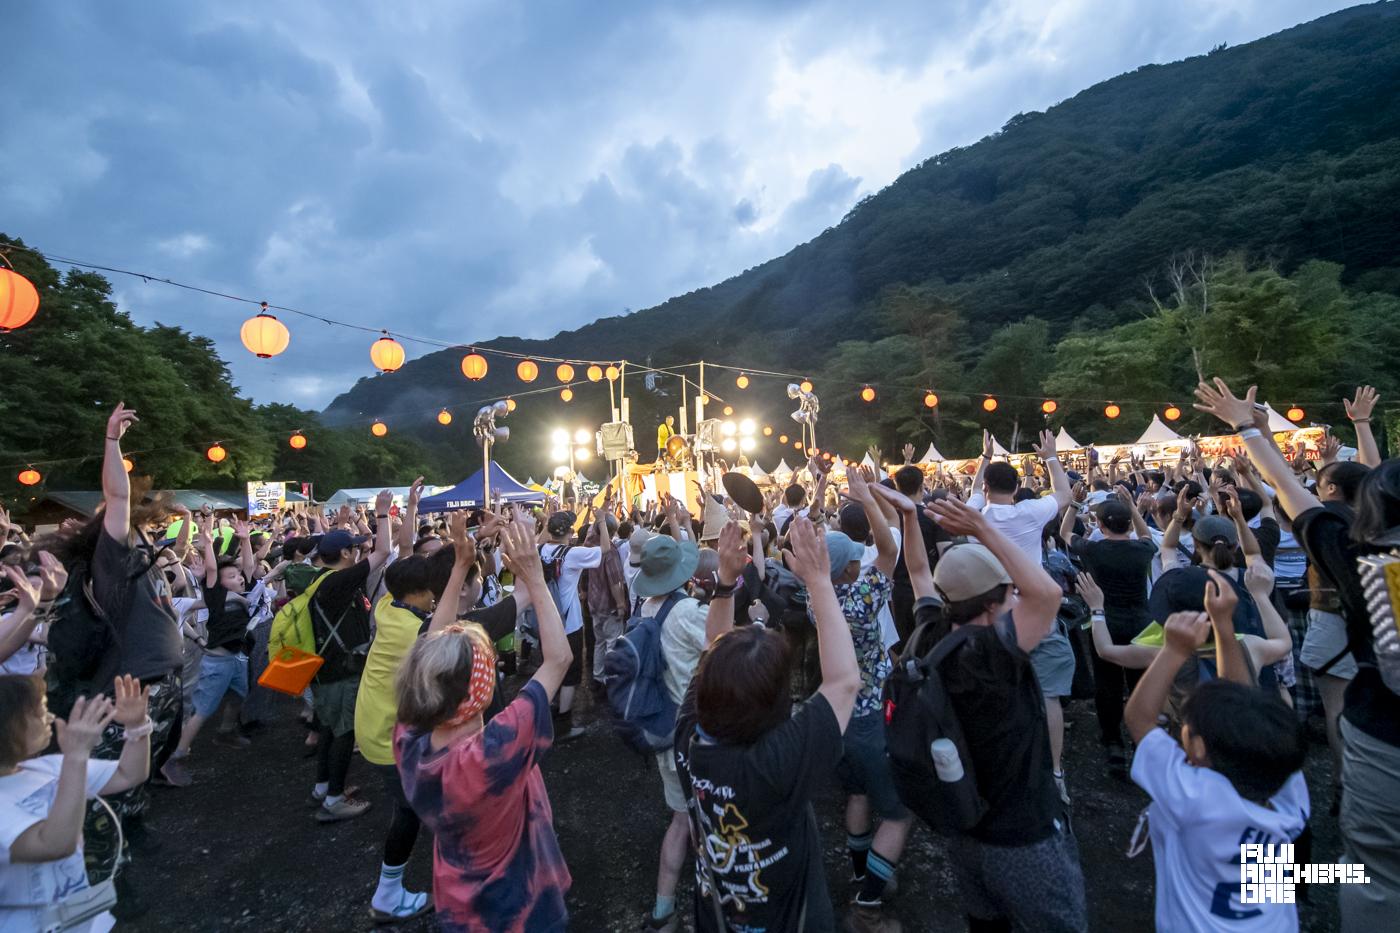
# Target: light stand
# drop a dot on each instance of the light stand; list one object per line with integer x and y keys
{"x": 486, "y": 431}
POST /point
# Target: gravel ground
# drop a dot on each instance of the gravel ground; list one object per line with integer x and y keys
{"x": 240, "y": 850}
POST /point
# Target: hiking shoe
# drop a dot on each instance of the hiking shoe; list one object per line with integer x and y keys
{"x": 346, "y": 808}
{"x": 175, "y": 773}
{"x": 231, "y": 739}
{"x": 869, "y": 918}
{"x": 411, "y": 905}
{"x": 667, "y": 924}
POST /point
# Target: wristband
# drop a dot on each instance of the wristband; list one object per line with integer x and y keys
{"x": 1250, "y": 432}
{"x": 1243, "y": 427}
{"x": 111, "y": 438}
{"x": 724, "y": 592}
{"x": 139, "y": 732}
{"x": 1361, "y": 421}
{"x": 1096, "y": 614}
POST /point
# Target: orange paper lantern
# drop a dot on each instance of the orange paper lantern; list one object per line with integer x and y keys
{"x": 1294, "y": 414}
{"x": 567, "y": 394}
{"x": 796, "y": 445}
{"x": 930, "y": 400}
{"x": 1172, "y": 413}
{"x": 867, "y": 394}
{"x": 565, "y": 372}
{"x": 127, "y": 464}
{"x": 510, "y": 404}
{"x": 595, "y": 372}
{"x": 18, "y": 302}
{"x": 989, "y": 404}
{"x": 379, "y": 429}
{"x": 264, "y": 335}
{"x": 704, "y": 400}
{"x": 1048, "y": 406}
{"x": 1112, "y": 410}
{"x": 782, "y": 438}
{"x": 767, "y": 430}
{"x": 612, "y": 372}
{"x": 444, "y": 417}
{"x": 728, "y": 410}
{"x": 297, "y": 441}
{"x": 527, "y": 370}
{"x": 216, "y": 454}
{"x": 386, "y": 353}
{"x": 29, "y": 477}
{"x": 806, "y": 385}
{"x": 742, "y": 382}
{"x": 474, "y": 366}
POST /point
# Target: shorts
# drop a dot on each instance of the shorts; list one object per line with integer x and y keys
{"x": 1325, "y": 639}
{"x": 218, "y": 674}
{"x": 1036, "y": 887}
{"x": 1053, "y": 661}
{"x": 574, "y": 675}
{"x": 334, "y": 704}
{"x": 670, "y": 780}
{"x": 865, "y": 769}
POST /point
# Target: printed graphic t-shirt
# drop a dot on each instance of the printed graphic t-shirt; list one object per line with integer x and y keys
{"x": 1198, "y": 823}
{"x": 496, "y": 860}
{"x": 751, "y": 807}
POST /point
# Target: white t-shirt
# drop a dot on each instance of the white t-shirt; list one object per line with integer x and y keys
{"x": 888, "y": 633}
{"x": 576, "y": 561}
{"x": 682, "y": 640}
{"x": 780, "y": 516}
{"x": 1198, "y": 823}
{"x": 26, "y": 658}
{"x": 25, "y": 798}
{"x": 1022, "y": 522}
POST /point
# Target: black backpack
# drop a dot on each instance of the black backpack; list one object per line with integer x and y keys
{"x": 80, "y": 636}
{"x": 918, "y": 713}
{"x": 784, "y": 596}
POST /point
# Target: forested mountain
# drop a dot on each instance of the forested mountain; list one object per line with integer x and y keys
{"x": 1246, "y": 162}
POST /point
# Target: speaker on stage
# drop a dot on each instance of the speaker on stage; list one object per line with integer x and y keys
{"x": 614, "y": 440}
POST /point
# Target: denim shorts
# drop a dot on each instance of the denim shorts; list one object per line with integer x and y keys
{"x": 864, "y": 769}
{"x": 218, "y": 674}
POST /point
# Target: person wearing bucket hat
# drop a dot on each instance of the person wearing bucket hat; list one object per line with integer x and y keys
{"x": 664, "y": 567}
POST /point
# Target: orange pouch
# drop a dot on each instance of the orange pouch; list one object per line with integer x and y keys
{"x": 290, "y": 672}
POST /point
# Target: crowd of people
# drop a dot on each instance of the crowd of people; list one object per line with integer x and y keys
{"x": 908, "y": 639}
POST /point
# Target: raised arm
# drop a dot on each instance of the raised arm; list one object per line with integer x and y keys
{"x": 206, "y": 548}
{"x": 1184, "y": 633}
{"x": 463, "y": 556}
{"x": 1359, "y": 411}
{"x": 840, "y": 673}
{"x": 408, "y": 531}
{"x": 56, "y": 836}
{"x": 1220, "y": 602}
{"x": 982, "y": 464}
{"x": 116, "y": 485}
{"x": 134, "y": 765}
{"x": 887, "y": 550}
{"x": 518, "y": 546}
{"x": 1171, "y": 537}
{"x": 1134, "y": 657}
{"x": 245, "y": 550}
{"x": 1067, "y": 519}
{"x": 1139, "y": 523}
{"x": 382, "y": 532}
{"x": 720, "y": 618}
{"x": 1059, "y": 479}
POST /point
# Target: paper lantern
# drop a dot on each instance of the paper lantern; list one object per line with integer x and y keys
{"x": 1172, "y": 413}
{"x": 867, "y": 394}
{"x": 812, "y": 451}
{"x": 264, "y": 335}
{"x": 127, "y": 464}
{"x": 827, "y": 456}
{"x": 782, "y": 438}
{"x": 1112, "y": 411}
{"x": 29, "y": 477}
{"x": 18, "y": 303}
{"x": 930, "y": 400}
{"x": 510, "y": 404}
{"x": 704, "y": 400}
{"x": 444, "y": 417}
{"x": 474, "y": 366}
{"x": 216, "y": 454}
{"x": 989, "y": 404}
{"x": 297, "y": 441}
{"x": 1048, "y": 406}
{"x": 527, "y": 370}
{"x": 612, "y": 373}
{"x": 796, "y": 445}
{"x": 1294, "y": 414}
{"x": 567, "y": 394}
{"x": 728, "y": 410}
{"x": 595, "y": 372}
{"x": 379, "y": 429}
{"x": 806, "y": 385}
{"x": 742, "y": 382}
{"x": 767, "y": 430}
{"x": 565, "y": 372}
{"x": 386, "y": 353}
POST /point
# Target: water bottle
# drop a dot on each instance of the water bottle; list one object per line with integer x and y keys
{"x": 946, "y": 761}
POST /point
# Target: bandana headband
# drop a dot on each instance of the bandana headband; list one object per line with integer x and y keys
{"x": 483, "y": 675}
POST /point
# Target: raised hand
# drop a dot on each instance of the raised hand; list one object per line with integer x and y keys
{"x": 415, "y": 492}
{"x": 25, "y": 593}
{"x": 119, "y": 420}
{"x": 53, "y": 576}
{"x": 132, "y": 701}
{"x": 1215, "y": 398}
{"x": 1362, "y": 404}
{"x": 733, "y": 556}
{"x": 1090, "y": 591}
{"x": 1220, "y": 598}
{"x": 809, "y": 559}
{"x": 464, "y": 548}
{"x": 1329, "y": 448}
{"x": 1185, "y": 632}
{"x": 986, "y": 444}
{"x": 79, "y": 734}
{"x": 1045, "y": 450}
{"x": 240, "y": 529}
{"x": 518, "y": 550}
{"x": 908, "y": 453}
{"x": 383, "y": 502}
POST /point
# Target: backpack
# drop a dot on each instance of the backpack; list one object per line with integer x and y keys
{"x": 553, "y": 570}
{"x": 81, "y": 635}
{"x": 634, "y": 676}
{"x": 784, "y": 596}
{"x": 291, "y": 626}
{"x": 918, "y": 714}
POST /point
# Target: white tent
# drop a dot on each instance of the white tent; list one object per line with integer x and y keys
{"x": 1157, "y": 433}
{"x": 869, "y": 461}
{"x": 366, "y": 496}
{"x": 998, "y": 450}
{"x": 782, "y": 472}
{"x": 1064, "y": 442}
{"x": 932, "y": 455}
{"x": 756, "y": 472}
{"x": 1278, "y": 422}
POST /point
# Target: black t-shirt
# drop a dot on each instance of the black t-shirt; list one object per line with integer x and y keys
{"x": 136, "y": 597}
{"x": 497, "y": 620}
{"x": 998, "y": 701}
{"x": 1326, "y": 537}
{"x": 932, "y": 536}
{"x": 751, "y": 806}
{"x": 1121, "y": 568}
{"x": 341, "y": 596}
{"x": 228, "y": 624}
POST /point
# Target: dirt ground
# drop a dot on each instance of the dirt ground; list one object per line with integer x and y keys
{"x": 240, "y": 850}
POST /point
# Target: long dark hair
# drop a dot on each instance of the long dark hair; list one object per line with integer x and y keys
{"x": 1377, "y": 503}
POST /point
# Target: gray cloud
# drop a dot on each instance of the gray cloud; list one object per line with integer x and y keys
{"x": 461, "y": 171}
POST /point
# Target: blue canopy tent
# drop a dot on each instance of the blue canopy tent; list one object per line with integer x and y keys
{"x": 467, "y": 493}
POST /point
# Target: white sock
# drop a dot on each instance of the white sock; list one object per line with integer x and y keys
{"x": 386, "y": 896}
{"x": 333, "y": 800}
{"x": 322, "y": 788}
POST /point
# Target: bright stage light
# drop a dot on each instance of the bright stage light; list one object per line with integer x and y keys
{"x": 560, "y": 436}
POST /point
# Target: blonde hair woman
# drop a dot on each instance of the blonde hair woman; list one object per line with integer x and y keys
{"x": 496, "y": 861}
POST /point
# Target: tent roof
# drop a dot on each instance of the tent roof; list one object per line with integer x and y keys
{"x": 364, "y": 494}
{"x": 1157, "y": 432}
{"x": 468, "y": 493}
{"x": 869, "y": 461}
{"x": 782, "y": 469}
{"x": 932, "y": 455}
{"x": 757, "y": 472}
{"x": 1064, "y": 442}
{"x": 999, "y": 450}
{"x": 1278, "y": 422}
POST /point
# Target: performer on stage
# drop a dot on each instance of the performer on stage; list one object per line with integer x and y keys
{"x": 663, "y": 434}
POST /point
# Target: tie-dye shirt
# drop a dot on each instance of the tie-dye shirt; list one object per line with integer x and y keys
{"x": 496, "y": 861}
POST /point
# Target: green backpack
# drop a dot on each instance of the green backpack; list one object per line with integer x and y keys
{"x": 291, "y": 627}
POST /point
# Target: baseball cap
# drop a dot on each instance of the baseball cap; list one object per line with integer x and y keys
{"x": 1214, "y": 527}
{"x": 560, "y": 523}
{"x": 1116, "y": 517}
{"x": 966, "y": 571}
{"x": 636, "y": 544}
{"x": 333, "y": 542}
{"x": 842, "y": 550}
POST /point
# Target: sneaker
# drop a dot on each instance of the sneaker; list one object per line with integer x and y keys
{"x": 667, "y": 924}
{"x": 572, "y": 733}
{"x": 346, "y": 809}
{"x": 231, "y": 739}
{"x": 1060, "y": 786}
{"x": 175, "y": 773}
{"x": 411, "y": 905}
{"x": 869, "y": 918}
{"x": 316, "y": 798}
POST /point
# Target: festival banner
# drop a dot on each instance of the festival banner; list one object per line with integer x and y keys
{"x": 266, "y": 498}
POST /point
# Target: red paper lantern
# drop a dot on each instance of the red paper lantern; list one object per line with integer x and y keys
{"x": 1294, "y": 414}
{"x": 1048, "y": 406}
{"x": 1112, "y": 411}
{"x": 565, "y": 372}
{"x": 474, "y": 366}
{"x": 1172, "y": 413}
{"x": 297, "y": 441}
{"x": 18, "y": 301}
{"x": 989, "y": 404}
{"x": 30, "y": 477}
{"x": 930, "y": 400}
{"x": 216, "y": 454}
{"x": 867, "y": 394}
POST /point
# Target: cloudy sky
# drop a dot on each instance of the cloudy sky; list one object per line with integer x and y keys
{"x": 460, "y": 170}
